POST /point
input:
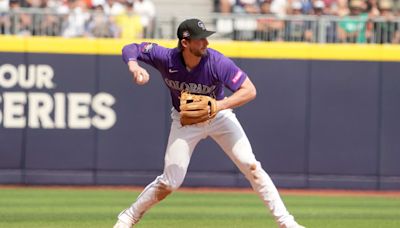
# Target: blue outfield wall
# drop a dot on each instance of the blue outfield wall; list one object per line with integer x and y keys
{"x": 79, "y": 119}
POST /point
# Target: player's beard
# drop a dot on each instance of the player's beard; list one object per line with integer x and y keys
{"x": 198, "y": 52}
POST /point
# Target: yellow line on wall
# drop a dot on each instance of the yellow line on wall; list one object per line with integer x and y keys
{"x": 236, "y": 49}
{"x": 280, "y": 50}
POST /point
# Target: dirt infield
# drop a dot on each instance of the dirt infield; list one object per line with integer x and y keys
{"x": 298, "y": 192}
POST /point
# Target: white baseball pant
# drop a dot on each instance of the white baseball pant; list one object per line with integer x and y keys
{"x": 226, "y": 130}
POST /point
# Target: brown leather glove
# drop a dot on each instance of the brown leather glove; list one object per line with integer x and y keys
{"x": 196, "y": 108}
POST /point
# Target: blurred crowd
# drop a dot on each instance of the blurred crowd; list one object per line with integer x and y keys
{"x": 327, "y": 21}
{"x": 78, "y": 18}
{"x": 356, "y": 21}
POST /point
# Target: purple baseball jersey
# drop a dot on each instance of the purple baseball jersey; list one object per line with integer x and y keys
{"x": 214, "y": 72}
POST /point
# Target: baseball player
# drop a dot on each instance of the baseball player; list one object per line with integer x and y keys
{"x": 196, "y": 77}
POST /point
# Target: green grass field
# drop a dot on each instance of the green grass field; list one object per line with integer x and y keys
{"x": 86, "y": 208}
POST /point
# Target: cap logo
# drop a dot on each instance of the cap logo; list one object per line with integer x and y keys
{"x": 185, "y": 34}
{"x": 201, "y": 25}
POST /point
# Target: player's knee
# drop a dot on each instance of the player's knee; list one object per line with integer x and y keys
{"x": 166, "y": 188}
{"x": 174, "y": 185}
{"x": 163, "y": 191}
{"x": 167, "y": 185}
{"x": 253, "y": 171}
{"x": 173, "y": 177}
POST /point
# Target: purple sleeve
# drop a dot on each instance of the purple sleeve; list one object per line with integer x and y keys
{"x": 230, "y": 74}
{"x": 149, "y": 53}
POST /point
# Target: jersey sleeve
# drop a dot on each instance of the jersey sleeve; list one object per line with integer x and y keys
{"x": 149, "y": 53}
{"x": 230, "y": 74}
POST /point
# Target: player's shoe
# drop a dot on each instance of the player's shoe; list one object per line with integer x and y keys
{"x": 124, "y": 220}
{"x": 294, "y": 225}
{"x": 121, "y": 224}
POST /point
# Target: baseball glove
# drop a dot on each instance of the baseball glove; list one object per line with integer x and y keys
{"x": 196, "y": 108}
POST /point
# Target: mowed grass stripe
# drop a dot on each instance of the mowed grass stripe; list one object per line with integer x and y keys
{"x": 45, "y": 208}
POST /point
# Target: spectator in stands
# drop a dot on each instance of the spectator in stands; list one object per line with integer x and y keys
{"x": 44, "y": 23}
{"x": 78, "y": 15}
{"x": 319, "y": 8}
{"x": 20, "y": 22}
{"x": 353, "y": 27}
{"x": 147, "y": 11}
{"x": 129, "y": 23}
{"x": 329, "y": 27}
{"x": 100, "y": 24}
{"x": 313, "y": 27}
{"x": 269, "y": 28}
{"x": 94, "y": 3}
{"x": 385, "y": 28}
{"x": 225, "y": 6}
{"x": 280, "y": 7}
{"x": 307, "y": 6}
{"x": 112, "y": 7}
{"x": 396, "y": 8}
{"x": 295, "y": 28}
{"x": 4, "y": 5}
{"x": 35, "y": 4}
{"x": 50, "y": 24}
{"x": 243, "y": 28}
{"x": 265, "y": 7}
{"x": 240, "y": 6}
{"x": 246, "y": 6}
{"x": 372, "y": 8}
{"x": 61, "y": 7}
{"x": 224, "y": 26}
{"x": 316, "y": 31}
{"x": 343, "y": 7}
{"x": 4, "y": 18}
{"x": 396, "y": 38}
{"x": 331, "y": 7}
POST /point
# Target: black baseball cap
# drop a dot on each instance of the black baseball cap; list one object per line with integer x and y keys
{"x": 193, "y": 29}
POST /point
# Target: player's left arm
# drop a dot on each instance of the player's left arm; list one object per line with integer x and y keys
{"x": 236, "y": 80}
{"x": 246, "y": 92}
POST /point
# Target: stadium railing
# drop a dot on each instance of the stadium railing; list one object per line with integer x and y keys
{"x": 291, "y": 28}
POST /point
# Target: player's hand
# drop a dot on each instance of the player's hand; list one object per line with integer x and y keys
{"x": 140, "y": 75}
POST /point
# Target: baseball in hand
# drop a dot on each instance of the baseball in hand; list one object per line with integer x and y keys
{"x": 140, "y": 78}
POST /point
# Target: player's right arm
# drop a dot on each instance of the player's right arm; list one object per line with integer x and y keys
{"x": 140, "y": 75}
{"x": 149, "y": 53}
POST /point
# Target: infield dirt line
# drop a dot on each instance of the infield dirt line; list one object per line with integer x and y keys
{"x": 297, "y": 192}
